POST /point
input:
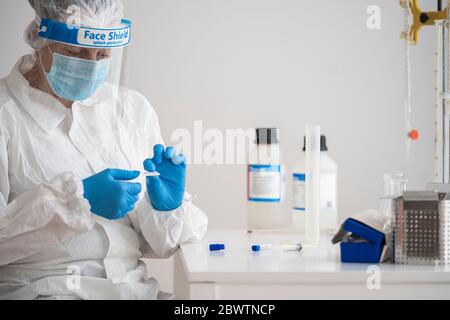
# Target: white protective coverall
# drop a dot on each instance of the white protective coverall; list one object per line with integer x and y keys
{"x": 48, "y": 236}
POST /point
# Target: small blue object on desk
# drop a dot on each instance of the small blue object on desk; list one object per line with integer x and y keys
{"x": 256, "y": 248}
{"x": 365, "y": 246}
{"x": 216, "y": 247}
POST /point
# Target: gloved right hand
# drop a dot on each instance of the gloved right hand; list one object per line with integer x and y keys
{"x": 110, "y": 196}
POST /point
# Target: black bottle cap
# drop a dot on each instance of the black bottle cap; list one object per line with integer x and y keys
{"x": 267, "y": 136}
{"x": 323, "y": 144}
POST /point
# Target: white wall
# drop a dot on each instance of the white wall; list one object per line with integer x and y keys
{"x": 284, "y": 63}
{"x": 15, "y": 16}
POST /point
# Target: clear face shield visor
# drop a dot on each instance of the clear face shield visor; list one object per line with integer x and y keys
{"x": 82, "y": 63}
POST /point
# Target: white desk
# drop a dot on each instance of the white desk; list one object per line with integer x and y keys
{"x": 314, "y": 273}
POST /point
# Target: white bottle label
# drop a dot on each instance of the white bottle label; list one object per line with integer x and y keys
{"x": 264, "y": 183}
{"x": 299, "y": 192}
{"x": 328, "y": 194}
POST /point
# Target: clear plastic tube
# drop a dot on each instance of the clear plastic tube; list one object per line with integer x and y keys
{"x": 408, "y": 85}
{"x": 150, "y": 174}
{"x": 312, "y": 222}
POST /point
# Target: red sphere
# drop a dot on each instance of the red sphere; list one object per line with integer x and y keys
{"x": 414, "y": 135}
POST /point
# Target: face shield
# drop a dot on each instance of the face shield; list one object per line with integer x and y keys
{"x": 82, "y": 62}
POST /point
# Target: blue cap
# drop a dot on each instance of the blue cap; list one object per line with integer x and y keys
{"x": 216, "y": 247}
{"x": 256, "y": 248}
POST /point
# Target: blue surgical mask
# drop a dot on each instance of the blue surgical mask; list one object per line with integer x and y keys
{"x": 76, "y": 79}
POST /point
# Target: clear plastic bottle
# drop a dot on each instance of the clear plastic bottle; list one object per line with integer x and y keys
{"x": 265, "y": 182}
{"x": 328, "y": 192}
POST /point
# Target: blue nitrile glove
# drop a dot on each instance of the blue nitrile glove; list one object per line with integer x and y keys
{"x": 166, "y": 192}
{"x": 109, "y": 195}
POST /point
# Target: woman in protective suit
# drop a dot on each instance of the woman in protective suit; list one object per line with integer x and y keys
{"x": 77, "y": 212}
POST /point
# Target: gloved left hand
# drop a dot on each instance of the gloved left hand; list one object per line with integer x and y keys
{"x": 166, "y": 192}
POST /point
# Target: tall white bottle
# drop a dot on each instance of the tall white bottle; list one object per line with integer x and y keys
{"x": 265, "y": 183}
{"x": 328, "y": 191}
